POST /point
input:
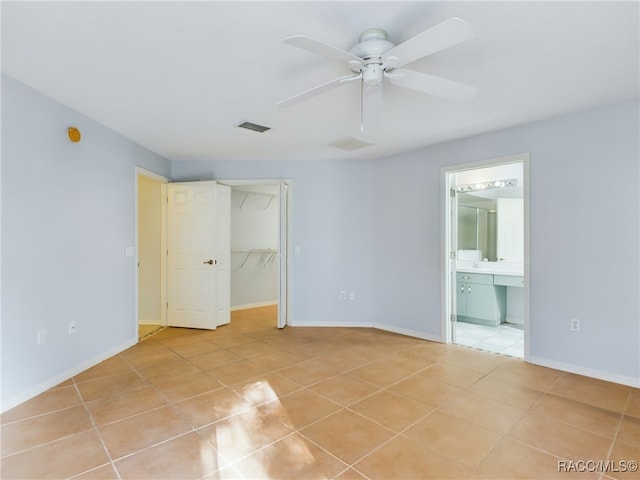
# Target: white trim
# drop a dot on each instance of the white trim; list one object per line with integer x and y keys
{"x": 254, "y": 305}
{"x": 66, "y": 375}
{"x": 378, "y": 326}
{"x": 147, "y": 321}
{"x": 587, "y": 372}
{"x": 445, "y": 264}
{"x": 410, "y": 333}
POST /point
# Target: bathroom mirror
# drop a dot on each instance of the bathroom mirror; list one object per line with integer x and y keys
{"x": 477, "y": 225}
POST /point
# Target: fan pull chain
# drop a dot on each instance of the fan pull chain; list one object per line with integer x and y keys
{"x": 362, "y": 105}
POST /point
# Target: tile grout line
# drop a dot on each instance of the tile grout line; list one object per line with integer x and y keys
{"x": 97, "y": 431}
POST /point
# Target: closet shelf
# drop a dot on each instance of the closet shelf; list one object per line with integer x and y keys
{"x": 264, "y": 194}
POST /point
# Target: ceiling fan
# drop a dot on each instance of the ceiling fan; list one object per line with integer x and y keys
{"x": 375, "y": 58}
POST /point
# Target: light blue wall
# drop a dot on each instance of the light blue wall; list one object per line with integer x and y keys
{"x": 584, "y": 240}
{"x": 68, "y": 212}
{"x": 369, "y": 226}
{"x": 332, "y": 223}
{"x": 375, "y": 226}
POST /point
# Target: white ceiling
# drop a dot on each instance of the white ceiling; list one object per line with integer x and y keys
{"x": 177, "y": 77}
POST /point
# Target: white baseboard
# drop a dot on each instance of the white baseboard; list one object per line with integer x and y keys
{"x": 587, "y": 372}
{"x": 408, "y": 332}
{"x": 143, "y": 321}
{"x": 254, "y": 305}
{"x": 56, "y": 380}
{"x": 379, "y": 326}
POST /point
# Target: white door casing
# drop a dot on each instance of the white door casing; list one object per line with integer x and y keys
{"x": 222, "y": 207}
{"x": 197, "y": 263}
{"x": 283, "y": 248}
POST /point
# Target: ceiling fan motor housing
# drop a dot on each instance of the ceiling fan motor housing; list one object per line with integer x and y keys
{"x": 373, "y": 44}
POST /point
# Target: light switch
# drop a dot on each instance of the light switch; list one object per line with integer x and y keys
{"x": 130, "y": 251}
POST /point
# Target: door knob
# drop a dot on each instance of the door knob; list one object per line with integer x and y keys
{"x": 211, "y": 262}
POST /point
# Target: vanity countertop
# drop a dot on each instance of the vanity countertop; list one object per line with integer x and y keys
{"x": 493, "y": 268}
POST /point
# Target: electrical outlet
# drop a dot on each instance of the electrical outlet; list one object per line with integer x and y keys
{"x": 574, "y": 324}
{"x": 343, "y": 295}
{"x": 42, "y": 336}
{"x": 72, "y": 327}
{"x": 352, "y": 296}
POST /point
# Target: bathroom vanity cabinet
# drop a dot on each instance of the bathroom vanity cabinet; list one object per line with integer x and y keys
{"x": 479, "y": 299}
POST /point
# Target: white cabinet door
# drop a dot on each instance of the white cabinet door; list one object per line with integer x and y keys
{"x": 197, "y": 255}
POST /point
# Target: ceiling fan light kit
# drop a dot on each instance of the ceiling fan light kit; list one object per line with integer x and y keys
{"x": 375, "y": 58}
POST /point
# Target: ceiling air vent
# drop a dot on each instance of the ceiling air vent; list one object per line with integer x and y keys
{"x": 349, "y": 143}
{"x": 254, "y": 126}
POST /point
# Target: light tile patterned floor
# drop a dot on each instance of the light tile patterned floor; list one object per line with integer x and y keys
{"x": 250, "y": 401}
{"x": 506, "y": 338}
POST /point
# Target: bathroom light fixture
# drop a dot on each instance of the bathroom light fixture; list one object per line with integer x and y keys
{"x": 474, "y": 187}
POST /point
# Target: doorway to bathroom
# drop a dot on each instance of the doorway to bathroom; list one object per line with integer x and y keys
{"x": 485, "y": 273}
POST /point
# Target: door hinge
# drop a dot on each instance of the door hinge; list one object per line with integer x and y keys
{"x": 452, "y": 255}
{"x": 452, "y": 192}
{"x": 453, "y": 317}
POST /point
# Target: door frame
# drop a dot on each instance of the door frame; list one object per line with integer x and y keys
{"x": 447, "y": 270}
{"x": 142, "y": 172}
{"x": 284, "y": 245}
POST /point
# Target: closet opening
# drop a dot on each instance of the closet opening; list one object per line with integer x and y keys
{"x": 259, "y": 232}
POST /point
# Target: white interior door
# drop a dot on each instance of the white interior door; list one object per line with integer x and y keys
{"x": 197, "y": 286}
{"x": 222, "y": 244}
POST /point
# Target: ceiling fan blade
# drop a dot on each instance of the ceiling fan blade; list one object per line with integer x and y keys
{"x": 312, "y": 92}
{"x": 437, "y": 86}
{"x": 327, "y": 51}
{"x": 444, "y": 35}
